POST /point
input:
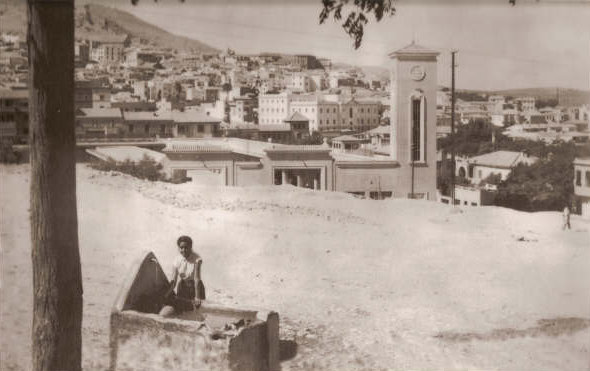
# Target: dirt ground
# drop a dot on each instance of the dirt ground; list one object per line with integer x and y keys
{"x": 359, "y": 284}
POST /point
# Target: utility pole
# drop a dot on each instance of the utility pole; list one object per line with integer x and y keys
{"x": 453, "y": 52}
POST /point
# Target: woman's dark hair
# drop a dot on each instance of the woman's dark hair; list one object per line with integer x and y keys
{"x": 186, "y": 239}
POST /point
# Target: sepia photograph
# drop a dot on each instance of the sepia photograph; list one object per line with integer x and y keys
{"x": 266, "y": 185}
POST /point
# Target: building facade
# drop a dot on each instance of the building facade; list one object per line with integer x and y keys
{"x": 273, "y": 108}
{"x": 413, "y": 120}
{"x": 582, "y": 186}
{"x": 14, "y": 115}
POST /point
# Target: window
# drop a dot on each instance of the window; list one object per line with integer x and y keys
{"x": 587, "y": 178}
{"x": 578, "y": 178}
{"x": 415, "y": 147}
{"x": 380, "y": 195}
{"x": 200, "y": 128}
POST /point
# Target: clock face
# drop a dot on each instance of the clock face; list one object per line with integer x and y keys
{"x": 417, "y": 73}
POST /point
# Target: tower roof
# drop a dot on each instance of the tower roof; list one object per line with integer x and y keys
{"x": 414, "y": 50}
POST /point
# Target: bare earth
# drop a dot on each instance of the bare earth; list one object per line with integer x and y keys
{"x": 359, "y": 284}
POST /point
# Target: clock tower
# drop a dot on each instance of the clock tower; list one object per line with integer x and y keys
{"x": 413, "y": 120}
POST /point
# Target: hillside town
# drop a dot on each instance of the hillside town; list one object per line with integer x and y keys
{"x": 233, "y": 186}
{"x": 232, "y": 119}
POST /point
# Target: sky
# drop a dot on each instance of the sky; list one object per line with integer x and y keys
{"x": 533, "y": 44}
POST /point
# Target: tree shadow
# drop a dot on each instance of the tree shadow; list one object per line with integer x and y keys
{"x": 287, "y": 349}
{"x": 551, "y": 327}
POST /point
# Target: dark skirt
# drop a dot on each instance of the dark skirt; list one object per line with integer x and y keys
{"x": 182, "y": 301}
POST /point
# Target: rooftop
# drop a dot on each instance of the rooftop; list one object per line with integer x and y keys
{"x": 101, "y": 112}
{"x": 123, "y": 153}
{"x": 193, "y": 117}
{"x": 414, "y": 50}
{"x": 348, "y": 138}
{"x": 147, "y": 116}
{"x": 275, "y": 127}
{"x": 501, "y": 159}
{"x": 14, "y": 94}
{"x": 380, "y": 130}
{"x": 582, "y": 161}
{"x": 296, "y": 117}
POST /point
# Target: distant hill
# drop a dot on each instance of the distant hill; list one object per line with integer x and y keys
{"x": 93, "y": 20}
{"x": 13, "y": 16}
{"x": 567, "y": 97}
{"x": 371, "y": 72}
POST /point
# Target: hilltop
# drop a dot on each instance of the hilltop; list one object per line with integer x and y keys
{"x": 567, "y": 97}
{"x": 359, "y": 284}
{"x": 94, "y": 20}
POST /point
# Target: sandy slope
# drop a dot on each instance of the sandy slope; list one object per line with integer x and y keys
{"x": 359, "y": 284}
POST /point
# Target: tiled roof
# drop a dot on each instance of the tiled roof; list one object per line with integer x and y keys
{"x": 147, "y": 116}
{"x": 296, "y": 117}
{"x": 14, "y": 94}
{"x": 500, "y": 159}
{"x": 276, "y": 127}
{"x": 242, "y": 126}
{"x": 380, "y": 130}
{"x": 348, "y": 138}
{"x": 193, "y": 117}
{"x": 298, "y": 148}
{"x": 582, "y": 161}
{"x": 122, "y": 153}
{"x": 196, "y": 147}
{"x": 101, "y": 112}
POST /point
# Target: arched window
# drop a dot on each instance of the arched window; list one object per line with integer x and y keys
{"x": 417, "y": 126}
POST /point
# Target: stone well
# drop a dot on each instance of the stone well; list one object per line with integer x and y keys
{"x": 212, "y": 337}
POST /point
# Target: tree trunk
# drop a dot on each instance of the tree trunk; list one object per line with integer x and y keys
{"x": 57, "y": 279}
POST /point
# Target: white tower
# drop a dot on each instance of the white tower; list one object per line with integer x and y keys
{"x": 413, "y": 119}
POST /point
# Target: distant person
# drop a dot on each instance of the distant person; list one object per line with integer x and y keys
{"x": 566, "y": 218}
{"x": 186, "y": 289}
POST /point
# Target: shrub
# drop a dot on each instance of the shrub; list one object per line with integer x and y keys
{"x": 146, "y": 168}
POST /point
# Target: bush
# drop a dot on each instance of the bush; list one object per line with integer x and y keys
{"x": 146, "y": 168}
{"x": 546, "y": 185}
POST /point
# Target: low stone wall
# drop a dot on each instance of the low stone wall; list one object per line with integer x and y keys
{"x": 212, "y": 337}
{"x": 144, "y": 341}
